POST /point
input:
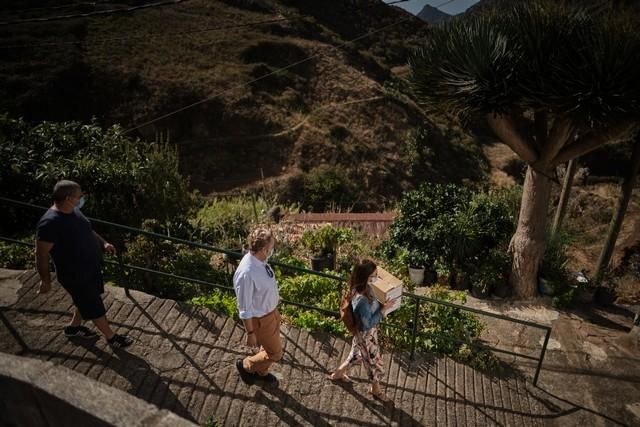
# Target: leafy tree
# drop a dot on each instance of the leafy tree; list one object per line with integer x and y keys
{"x": 126, "y": 180}
{"x": 538, "y": 73}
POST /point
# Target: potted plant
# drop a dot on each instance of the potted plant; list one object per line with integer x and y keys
{"x": 323, "y": 243}
{"x": 460, "y": 282}
{"x": 501, "y": 263}
{"x": 416, "y": 266}
{"x": 585, "y": 290}
{"x": 442, "y": 273}
{"x": 483, "y": 281}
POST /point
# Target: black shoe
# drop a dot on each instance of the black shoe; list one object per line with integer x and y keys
{"x": 246, "y": 377}
{"x": 120, "y": 341}
{"x": 269, "y": 378}
{"x": 79, "y": 331}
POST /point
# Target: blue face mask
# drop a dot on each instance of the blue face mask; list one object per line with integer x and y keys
{"x": 81, "y": 202}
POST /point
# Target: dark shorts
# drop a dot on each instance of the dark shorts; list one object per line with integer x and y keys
{"x": 87, "y": 299}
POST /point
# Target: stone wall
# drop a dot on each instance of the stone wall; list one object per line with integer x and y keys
{"x": 35, "y": 393}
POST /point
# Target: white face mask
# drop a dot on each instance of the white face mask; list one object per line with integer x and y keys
{"x": 81, "y": 202}
{"x": 373, "y": 280}
{"x": 270, "y": 254}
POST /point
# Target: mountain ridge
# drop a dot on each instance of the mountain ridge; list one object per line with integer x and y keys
{"x": 432, "y": 15}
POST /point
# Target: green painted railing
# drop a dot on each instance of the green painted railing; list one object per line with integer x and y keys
{"x": 416, "y": 299}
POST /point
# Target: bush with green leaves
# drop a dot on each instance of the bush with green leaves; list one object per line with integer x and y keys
{"x": 451, "y": 227}
{"x": 219, "y": 300}
{"x": 493, "y": 270}
{"x": 314, "y": 290}
{"x": 442, "y": 329}
{"x": 325, "y": 240}
{"x": 554, "y": 269}
{"x": 426, "y": 219}
{"x": 17, "y": 257}
{"x": 321, "y": 189}
{"x": 555, "y": 260}
{"x": 168, "y": 257}
{"x": 226, "y": 222}
{"x": 126, "y": 179}
{"x": 290, "y": 260}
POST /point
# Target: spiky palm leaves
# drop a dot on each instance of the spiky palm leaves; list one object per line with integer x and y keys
{"x": 534, "y": 55}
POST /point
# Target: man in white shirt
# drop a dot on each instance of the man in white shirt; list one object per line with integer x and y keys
{"x": 257, "y": 292}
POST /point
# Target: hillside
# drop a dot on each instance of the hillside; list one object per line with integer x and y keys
{"x": 346, "y": 107}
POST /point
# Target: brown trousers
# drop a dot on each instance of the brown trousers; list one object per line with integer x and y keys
{"x": 267, "y": 330}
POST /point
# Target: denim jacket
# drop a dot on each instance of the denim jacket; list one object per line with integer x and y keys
{"x": 370, "y": 314}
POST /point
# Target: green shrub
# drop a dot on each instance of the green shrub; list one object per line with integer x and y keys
{"x": 288, "y": 260}
{"x": 439, "y": 326}
{"x": 227, "y": 222}
{"x": 211, "y": 422}
{"x": 316, "y": 291}
{"x": 493, "y": 270}
{"x": 218, "y": 300}
{"x": 321, "y": 189}
{"x": 555, "y": 260}
{"x": 450, "y": 228}
{"x": 17, "y": 257}
{"x": 126, "y": 180}
{"x": 325, "y": 240}
{"x": 426, "y": 220}
{"x": 168, "y": 257}
{"x": 438, "y": 323}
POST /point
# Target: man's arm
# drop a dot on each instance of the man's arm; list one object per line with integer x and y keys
{"x": 243, "y": 287}
{"x": 108, "y": 247}
{"x": 42, "y": 264}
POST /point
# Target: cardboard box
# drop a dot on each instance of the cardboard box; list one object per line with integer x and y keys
{"x": 387, "y": 287}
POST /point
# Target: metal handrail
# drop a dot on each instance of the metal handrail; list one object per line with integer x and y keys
{"x": 417, "y": 298}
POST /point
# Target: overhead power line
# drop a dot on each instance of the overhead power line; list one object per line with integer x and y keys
{"x": 62, "y": 6}
{"x": 95, "y": 13}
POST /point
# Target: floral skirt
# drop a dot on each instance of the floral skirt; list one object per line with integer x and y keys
{"x": 365, "y": 349}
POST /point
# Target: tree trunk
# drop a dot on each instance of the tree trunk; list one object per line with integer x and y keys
{"x": 618, "y": 216}
{"x": 564, "y": 196}
{"x": 527, "y": 244}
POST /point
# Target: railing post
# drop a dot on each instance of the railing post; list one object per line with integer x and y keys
{"x": 544, "y": 350}
{"x": 414, "y": 332}
{"x": 123, "y": 277}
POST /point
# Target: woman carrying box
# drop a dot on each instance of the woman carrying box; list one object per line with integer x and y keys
{"x": 368, "y": 313}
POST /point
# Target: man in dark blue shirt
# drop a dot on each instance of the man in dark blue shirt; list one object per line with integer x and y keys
{"x": 66, "y": 234}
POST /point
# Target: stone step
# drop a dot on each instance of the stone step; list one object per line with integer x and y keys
{"x": 183, "y": 361}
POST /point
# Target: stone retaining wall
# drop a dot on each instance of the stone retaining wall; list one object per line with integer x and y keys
{"x": 35, "y": 393}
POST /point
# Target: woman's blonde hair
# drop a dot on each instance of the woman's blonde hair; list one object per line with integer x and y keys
{"x": 259, "y": 239}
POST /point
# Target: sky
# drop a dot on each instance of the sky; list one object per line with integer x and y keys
{"x": 453, "y": 8}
